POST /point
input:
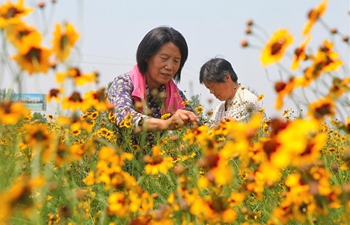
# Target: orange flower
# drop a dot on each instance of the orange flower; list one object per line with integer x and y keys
{"x": 63, "y": 42}
{"x": 314, "y": 15}
{"x": 276, "y": 47}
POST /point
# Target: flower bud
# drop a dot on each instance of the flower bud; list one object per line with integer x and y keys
{"x": 244, "y": 43}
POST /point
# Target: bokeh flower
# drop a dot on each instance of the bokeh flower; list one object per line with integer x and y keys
{"x": 32, "y": 57}
{"x": 157, "y": 164}
{"x": 314, "y": 15}
{"x": 300, "y": 54}
{"x": 276, "y": 47}
{"x": 10, "y": 13}
{"x": 11, "y": 112}
{"x": 64, "y": 41}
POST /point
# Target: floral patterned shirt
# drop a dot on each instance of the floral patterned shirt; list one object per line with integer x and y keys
{"x": 120, "y": 92}
{"x": 243, "y": 105}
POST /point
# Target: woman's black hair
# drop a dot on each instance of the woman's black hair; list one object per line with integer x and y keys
{"x": 153, "y": 40}
{"x": 216, "y": 70}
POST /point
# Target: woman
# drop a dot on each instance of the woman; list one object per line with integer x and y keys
{"x": 148, "y": 91}
{"x": 238, "y": 103}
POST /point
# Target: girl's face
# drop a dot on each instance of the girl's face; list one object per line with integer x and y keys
{"x": 163, "y": 65}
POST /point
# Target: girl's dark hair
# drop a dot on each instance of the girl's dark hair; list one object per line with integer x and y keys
{"x": 153, "y": 40}
{"x": 216, "y": 70}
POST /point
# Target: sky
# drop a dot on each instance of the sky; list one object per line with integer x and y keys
{"x": 112, "y": 29}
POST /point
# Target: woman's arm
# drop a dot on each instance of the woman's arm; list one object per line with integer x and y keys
{"x": 119, "y": 94}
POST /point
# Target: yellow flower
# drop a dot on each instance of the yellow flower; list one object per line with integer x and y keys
{"x": 38, "y": 134}
{"x": 157, "y": 164}
{"x": 260, "y": 97}
{"x": 276, "y": 47}
{"x": 135, "y": 148}
{"x": 90, "y": 179}
{"x": 76, "y": 75}
{"x": 186, "y": 102}
{"x": 199, "y": 110}
{"x": 11, "y": 112}
{"x": 63, "y": 42}
{"x": 166, "y": 116}
{"x": 11, "y": 13}
{"x": 97, "y": 100}
{"x": 126, "y": 122}
{"x": 325, "y": 60}
{"x": 111, "y": 116}
{"x": 94, "y": 115}
{"x": 314, "y": 15}
{"x": 73, "y": 102}
{"x": 19, "y": 32}
{"x": 32, "y": 57}
{"x": 118, "y": 204}
{"x": 236, "y": 199}
{"x": 105, "y": 133}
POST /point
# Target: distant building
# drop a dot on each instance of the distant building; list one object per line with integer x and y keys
{"x": 34, "y": 102}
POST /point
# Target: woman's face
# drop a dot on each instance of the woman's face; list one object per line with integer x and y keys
{"x": 163, "y": 65}
{"x": 221, "y": 91}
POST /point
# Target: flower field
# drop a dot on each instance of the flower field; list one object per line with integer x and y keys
{"x": 76, "y": 167}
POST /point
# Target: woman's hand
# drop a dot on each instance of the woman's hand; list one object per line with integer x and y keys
{"x": 181, "y": 118}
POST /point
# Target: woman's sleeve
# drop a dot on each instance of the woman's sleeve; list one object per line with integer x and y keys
{"x": 119, "y": 94}
{"x": 244, "y": 107}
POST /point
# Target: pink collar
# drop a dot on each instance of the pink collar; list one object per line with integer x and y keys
{"x": 173, "y": 99}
